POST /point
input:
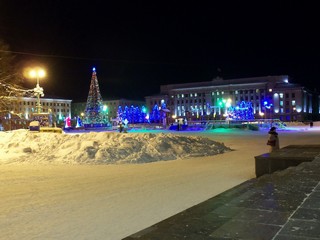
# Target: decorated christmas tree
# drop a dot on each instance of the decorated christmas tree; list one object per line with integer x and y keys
{"x": 94, "y": 107}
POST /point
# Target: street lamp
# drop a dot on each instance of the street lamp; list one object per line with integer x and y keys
{"x": 38, "y": 91}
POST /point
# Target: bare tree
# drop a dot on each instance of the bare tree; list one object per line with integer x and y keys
{"x": 10, "y": 80}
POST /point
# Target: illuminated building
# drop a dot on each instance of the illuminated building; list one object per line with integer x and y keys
{"x": 20, "y": 113}
{"x": 271, "y": 97}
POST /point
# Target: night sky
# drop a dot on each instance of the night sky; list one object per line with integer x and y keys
{"x": 138, "y": 45}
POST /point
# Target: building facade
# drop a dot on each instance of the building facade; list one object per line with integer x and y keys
{"x": 270, "y": 96}
{"x": 20, "y": 113}
{"x": 60, "y": 108}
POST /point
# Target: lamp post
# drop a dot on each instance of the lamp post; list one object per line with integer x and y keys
{"x": 38, "y": 91}
{"x": 228, "y": 105}
{"x": 105, "y": 113}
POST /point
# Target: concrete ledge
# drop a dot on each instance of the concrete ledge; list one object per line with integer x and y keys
{"x": 289, "y": 156}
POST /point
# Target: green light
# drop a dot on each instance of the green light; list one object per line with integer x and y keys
{"x": 105, "y": 108}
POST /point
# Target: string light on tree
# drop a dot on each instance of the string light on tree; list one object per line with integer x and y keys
{"x": 94, "y": 105}
{"x": 243, "y": 111}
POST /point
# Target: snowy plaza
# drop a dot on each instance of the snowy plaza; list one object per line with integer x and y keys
{"x": 62, "y": 196}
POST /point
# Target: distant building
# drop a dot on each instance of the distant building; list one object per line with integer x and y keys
{"x": 78, "y": 109}
{"x": 271, "y": 97}
{"x": 21, "y": 110}
{"x": 111, "y": 107}
{"x": 25, "y": 106}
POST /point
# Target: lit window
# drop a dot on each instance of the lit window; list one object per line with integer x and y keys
{"x": 281, "y": 95}
{"x": 270, "y": 89}
{"x": 195, "y": 94}
{"x": 212, "y": 93}
{"x": 182, "y": 95}
{"x": 217, "y": 93}
{"x": 222, "y": 92}
{"x": 293, "y": 102}
{"x": 281, "y": 103}
{"x": 190, "y": 94}
{"x": 236, "y": 92}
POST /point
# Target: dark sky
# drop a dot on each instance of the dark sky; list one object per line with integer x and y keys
{"x": 138, "y": 45}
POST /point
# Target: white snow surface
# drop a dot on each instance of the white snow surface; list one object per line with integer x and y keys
{"x": 102, "y": 147}
{"x": 49, "y": 191}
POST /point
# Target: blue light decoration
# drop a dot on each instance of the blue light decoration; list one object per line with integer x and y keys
{"x": 163, "y": 104}
{"x": 120, "y": 111}
{"x": 125, "y": 114}
{"x": 155, "y": 114}
{"x": 243, "y": 111}
{"x": 133, "y": 114}
{"x": 144, "y": 114}
{"x": 267, "y": 104}
{"x": 79, "y": 122}
{"x": 140, "y": 114}
{"x": 137, "y": 115}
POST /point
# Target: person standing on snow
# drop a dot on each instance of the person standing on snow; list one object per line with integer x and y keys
{"x": 273, "y": 140}
{"x": 120, "y": 127}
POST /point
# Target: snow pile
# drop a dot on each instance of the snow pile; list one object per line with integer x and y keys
{"x": 102, "y": 147}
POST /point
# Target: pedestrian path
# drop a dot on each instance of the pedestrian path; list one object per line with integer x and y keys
{"x": 284, "y": 205}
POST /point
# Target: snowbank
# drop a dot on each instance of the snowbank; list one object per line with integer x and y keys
{"x": 102, "y": 147}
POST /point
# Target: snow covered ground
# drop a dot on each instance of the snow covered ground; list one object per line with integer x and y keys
{"x": 102, "y": 147}
{"x": 61, "y": 186}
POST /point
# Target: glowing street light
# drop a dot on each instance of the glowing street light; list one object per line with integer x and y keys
{"x": 38, "y": 91}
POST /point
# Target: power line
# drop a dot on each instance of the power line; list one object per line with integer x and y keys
{"x": 97, "y": 59}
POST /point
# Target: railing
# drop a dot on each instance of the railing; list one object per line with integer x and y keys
{"x": 261, "y": 123}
